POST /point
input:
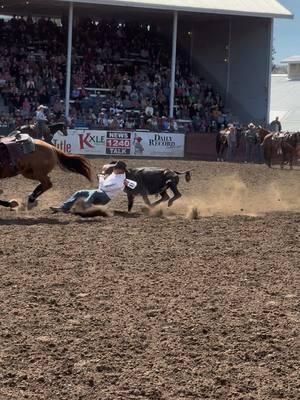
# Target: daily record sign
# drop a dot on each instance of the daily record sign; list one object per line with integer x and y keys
{"x": 121, "y": 143}
{"x": 151, "y": 144}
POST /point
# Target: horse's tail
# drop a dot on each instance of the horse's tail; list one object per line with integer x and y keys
{"x": 74, "y": 163}
{"x": 187, "y": 174}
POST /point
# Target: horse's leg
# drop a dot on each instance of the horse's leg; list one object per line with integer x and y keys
{"x": 5, "y": 203}
{"x": 268, "y": 156}
{"x": 223, "y": 148}
{"x": 11, "y": 204}
{"x": 218, "y": 151}
{"x": 41, "y": 188}
{"x": 283, "y": 156}
{"x": 291, "y": 159}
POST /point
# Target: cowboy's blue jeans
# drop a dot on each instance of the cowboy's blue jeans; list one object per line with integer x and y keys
{"x": 90, "y": 197}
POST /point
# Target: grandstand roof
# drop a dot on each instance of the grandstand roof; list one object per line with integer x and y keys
{"x": 255, "y": 8}
{"x": 291, "y": 60}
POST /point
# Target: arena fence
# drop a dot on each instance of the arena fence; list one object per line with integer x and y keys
{"x": 201, "y": 146}
{"x": 122, "y": 143}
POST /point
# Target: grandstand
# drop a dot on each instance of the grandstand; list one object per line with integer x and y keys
{"x": 202, "y": 62}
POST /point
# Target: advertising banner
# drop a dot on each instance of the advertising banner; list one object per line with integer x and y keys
{"x": 151, "y": 144}
{"x": 118, "y": 143}
{"x": 121, "y": 143}
{"x": 81, "y": 141}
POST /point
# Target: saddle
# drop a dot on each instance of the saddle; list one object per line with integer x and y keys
{"x": 32, "y": 126}
{"x": 280, "y": 135}
{"x": 12, "y": 148}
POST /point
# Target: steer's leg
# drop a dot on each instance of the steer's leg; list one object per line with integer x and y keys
{"x": 130, "y": 198}
{"x": 164, "y": 197}
{"x": 176, "y": 192}
{"x": 147, "y": 201}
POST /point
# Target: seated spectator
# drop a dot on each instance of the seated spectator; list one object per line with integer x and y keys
{"x": 173, "y": 125}
{"x": 32, "y": 74}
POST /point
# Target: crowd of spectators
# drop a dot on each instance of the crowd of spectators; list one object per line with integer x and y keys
{"x": 120, "y": 77}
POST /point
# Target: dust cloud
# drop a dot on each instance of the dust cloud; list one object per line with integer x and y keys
{"x": 229, "y": 195}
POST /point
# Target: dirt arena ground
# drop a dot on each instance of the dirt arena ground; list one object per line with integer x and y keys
{"x": 161, "y": 306}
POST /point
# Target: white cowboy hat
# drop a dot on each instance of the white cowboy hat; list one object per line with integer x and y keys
{"x": 251, "y": 125}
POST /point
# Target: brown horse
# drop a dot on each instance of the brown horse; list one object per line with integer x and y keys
{"x": 49, "y": 130}
{"x": 289, "y": 148}
{"x": 285, "y": 144}
{"x": 262, "y": 133}
{"x": 36, "y": 164}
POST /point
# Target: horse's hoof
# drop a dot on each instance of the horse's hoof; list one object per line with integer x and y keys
{"x": 13, "y": 204}
{"x": 31, "y": 204}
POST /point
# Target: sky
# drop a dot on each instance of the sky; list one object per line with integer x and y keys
{"x": 287, "y": 32}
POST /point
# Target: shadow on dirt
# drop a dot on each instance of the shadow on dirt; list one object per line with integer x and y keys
{"x": 32, "y": 221}
{"x": 88, "y": 215}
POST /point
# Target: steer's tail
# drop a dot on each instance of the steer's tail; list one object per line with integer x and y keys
{"x": 78, "y": 164}
{"x": 187, "y": 174}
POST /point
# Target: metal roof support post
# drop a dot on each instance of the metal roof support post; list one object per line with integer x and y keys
{"x": 173, "y": 65}
{"x": 228, "y": 60}
{"x": 69, "y": 61}
{"x": 269, "y": 77}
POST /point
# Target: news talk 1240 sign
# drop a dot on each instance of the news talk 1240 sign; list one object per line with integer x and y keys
{"x": 118, "y": 143}
{"x": 94, "y": 142}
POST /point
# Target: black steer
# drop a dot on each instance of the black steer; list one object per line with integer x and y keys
{"x": 152, "y": 181}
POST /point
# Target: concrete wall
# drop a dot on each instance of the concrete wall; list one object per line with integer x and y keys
{"x": 234, "y": 55}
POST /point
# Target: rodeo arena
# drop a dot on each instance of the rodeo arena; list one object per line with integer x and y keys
{"x": 150, "y": 201}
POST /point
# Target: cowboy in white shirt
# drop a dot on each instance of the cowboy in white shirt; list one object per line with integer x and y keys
{"x": 41, "y": 120}
{"x": 108, "y": 188}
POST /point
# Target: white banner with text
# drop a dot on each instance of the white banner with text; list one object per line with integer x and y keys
{"x": 121, "y": 143}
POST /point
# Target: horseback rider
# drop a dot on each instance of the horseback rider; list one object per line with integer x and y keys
{"x": 275, "y": 126}
{"x": 41, "y": 120}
